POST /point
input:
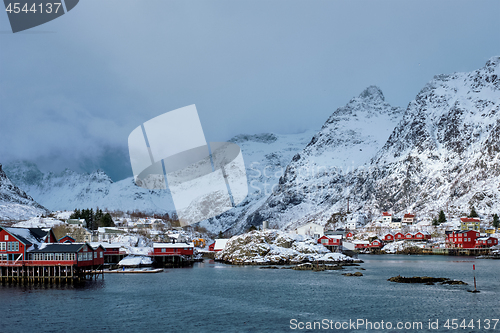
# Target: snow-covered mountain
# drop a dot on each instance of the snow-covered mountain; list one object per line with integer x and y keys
{"x": 347, "y": 140}
{"x": 15, "y": 204}
{"x": 265, "y": 155}
{"x": 443, "y": 154}
{"x": 69, "y": 190}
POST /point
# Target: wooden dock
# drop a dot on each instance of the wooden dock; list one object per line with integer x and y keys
{"x": 456, "y": 251}
{"x": 18, "y": 274}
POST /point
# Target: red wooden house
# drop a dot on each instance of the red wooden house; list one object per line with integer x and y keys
{"x": 408, "y": 236}
{"x": 99, "y": 255}
{"x": 66, "y": 254}
{"x": 399, "y": 236}
{"x": 113, "y": 252}
{"x": 389, "y": 238}
{"x": 486, "y": 242}
{"x": 422, "y": 236}
{"x": 359, "y": 246}
{"x": 66, "y": 239}
{"x": 464, "y": 239}
{"x": 376, "y": 244}
{"x": 349, "y": 234}
{"x": 15, "y": 242}
{"x": 330, "y": 242}
{"x": 211, "y": 247}
{"x": 172, "y": 249}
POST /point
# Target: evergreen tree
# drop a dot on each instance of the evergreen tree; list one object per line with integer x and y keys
{"x": 76, "y": 214}
{"x": 496, "y": 221}
{"x": 90, "y": 222}
{"x": 442, "y": 217}
{"x": 221, "y": 235}
{"x": 435, "y": 221}
{"x": 473, "y": 212}
{"x": 106, "y": 221}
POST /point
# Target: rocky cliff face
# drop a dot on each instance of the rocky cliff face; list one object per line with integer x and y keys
{"x": 443, "y": 154}
{"x": 347, "y": 141}
{"x": 15, "y": 204}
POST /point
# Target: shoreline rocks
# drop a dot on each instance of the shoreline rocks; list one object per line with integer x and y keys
{"x": 424, "y": 279}
{"x": 275, "y": 247}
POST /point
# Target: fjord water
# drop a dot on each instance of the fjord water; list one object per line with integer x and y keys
{"x": 222, "y": 298}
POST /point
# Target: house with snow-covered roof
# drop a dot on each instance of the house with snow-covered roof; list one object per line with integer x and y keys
{"x": 218, "y": 245}
{"x": 395, "y": 223}
{"x": 331, "y": 242}
{"x": 486, "y": 242}
{"x": 15, "y": 242}
{"x": 386, "y": 217}
{"x": 469, "y": 223}
{"x": 409, "y": 219}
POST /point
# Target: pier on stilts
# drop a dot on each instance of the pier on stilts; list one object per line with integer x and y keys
{"x": 43, "y": 274}
{"x": 33, "y": 256}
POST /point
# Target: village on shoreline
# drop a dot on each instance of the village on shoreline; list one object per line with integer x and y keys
{"x": 73, "y": 246}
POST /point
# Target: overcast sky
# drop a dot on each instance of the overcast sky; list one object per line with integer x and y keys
{"x": 73, "y": 89}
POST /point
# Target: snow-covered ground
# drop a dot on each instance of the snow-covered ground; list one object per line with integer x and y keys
{"x": 39, "y": 222}
{"x": 401, "y": 246}
{"x": 134, "y": 261}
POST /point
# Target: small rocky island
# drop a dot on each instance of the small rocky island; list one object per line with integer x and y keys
{"x": 275, "y": 247}
{"x": 423, "y": 279}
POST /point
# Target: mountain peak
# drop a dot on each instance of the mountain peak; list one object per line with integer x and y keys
{"x": 493, "y": 62}
{"x": 372, "y": 93}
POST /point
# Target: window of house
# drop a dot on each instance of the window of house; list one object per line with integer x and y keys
{"x": 6, "y": 237}
{"x": 101, "y": 254}
{"x": 95, "y": 255}
{"x": 12, "y": 246}
{"x": 3, "y": 246}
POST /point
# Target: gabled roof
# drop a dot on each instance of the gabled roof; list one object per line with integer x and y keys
{"x": 59, "y": 248}
{"x": 386, "y": 214}
{"x": 464, "y": 231}
{"x": 407, "y": 216}
{"x": 485, "y": 238}
{"x": 65, "y": 237}
{"x": 220, "y": 244}
{"x": 469, "y": 219}
{"x": 106, "y": 245}
{"x": 331, "y": 237}
{"x": 27, "y": 236}
{"x": 172, "y": 245}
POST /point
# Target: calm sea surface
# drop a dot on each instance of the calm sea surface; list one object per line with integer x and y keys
{"x": 222, "y": 298}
